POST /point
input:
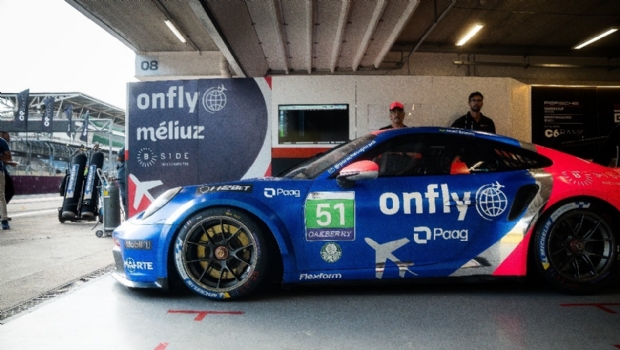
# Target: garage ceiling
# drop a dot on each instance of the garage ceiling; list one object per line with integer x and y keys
{"x": 272, "y": 37}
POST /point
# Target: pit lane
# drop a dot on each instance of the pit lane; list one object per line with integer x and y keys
{"x": 102, "y": 314}
{"x": 99, "y": 313}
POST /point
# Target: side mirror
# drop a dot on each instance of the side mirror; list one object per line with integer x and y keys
{"x": 363, "y": 170}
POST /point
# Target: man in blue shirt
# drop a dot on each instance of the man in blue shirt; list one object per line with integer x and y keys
{"x": 5, "y": 159}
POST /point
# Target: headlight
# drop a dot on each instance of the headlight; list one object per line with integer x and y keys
{"x": 161, "y": 201}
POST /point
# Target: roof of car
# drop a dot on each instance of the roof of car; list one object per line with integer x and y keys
{"x": 447, "y": 130}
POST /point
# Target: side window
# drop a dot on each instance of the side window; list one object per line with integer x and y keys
{"x": 419, "y": 155}
{"x": 493, "y": 157}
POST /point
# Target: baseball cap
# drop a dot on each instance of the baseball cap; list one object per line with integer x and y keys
{"x": 396, "y": 104}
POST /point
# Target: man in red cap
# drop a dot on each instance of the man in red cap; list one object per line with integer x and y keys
{"x": 397, "y": 115}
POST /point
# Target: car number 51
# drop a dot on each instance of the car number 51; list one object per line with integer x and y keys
{"x": 328, "y": 213}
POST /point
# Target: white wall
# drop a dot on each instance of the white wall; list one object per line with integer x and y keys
{"x": 429, "y": 101}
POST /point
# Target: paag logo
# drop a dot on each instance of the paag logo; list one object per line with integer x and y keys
{"x": 273, "y": 192}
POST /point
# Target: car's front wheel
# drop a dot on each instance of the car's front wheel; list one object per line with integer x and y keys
{"x": 577, "y": 247}
{"x": 221, "y": 253}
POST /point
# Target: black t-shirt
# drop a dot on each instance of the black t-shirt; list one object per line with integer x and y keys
{"x": 468, "y": 122}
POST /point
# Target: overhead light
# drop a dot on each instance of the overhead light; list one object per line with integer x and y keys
{"x": 175, "y": 30}
{"x": 469, "y": 35}
{"x": 600, "y": 36}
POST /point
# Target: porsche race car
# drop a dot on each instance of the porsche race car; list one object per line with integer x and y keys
{"x": 402, "y": 204}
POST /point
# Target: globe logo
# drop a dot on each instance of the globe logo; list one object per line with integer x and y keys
{"x": 491, "y": 202}
{"x": 214, "y": 100}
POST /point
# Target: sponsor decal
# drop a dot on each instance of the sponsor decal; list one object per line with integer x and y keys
{"x": 214, "y": 99}
{"x": 319, "y": 276}
{"x": 138, "y": 244}
{"x": 385, "y": 252}
{"x": 146, "y": 157}
{"x": 225, "y": 188}
{"x": 491, "y": 201}
{"x": 422, "y": 234}
{"x": 550, "y": 133}
{"x": 274, "y": 192}
{"x": 329, "y": 235}
{"x": 174, "y": 98}
{"x": 578, "y": 177}
{"x": 132, "y": 266}
{"x": 391, "y": 203}
{"x": 72, "y": 180}
{"x": 331, "y": 252}
{"x": 170, "y": 130}
{"x": 90, "y": 179}
{"x": 330, "y": 216}
{"x": 458, "y": 131}
{"x": 341, "y": 163}
{"x": 561, "y": 103}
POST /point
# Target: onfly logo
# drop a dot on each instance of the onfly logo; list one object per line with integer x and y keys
{"x": 491, "y": 201}
{"x": 214, "y": 100}
{"x": 272, "y": 192}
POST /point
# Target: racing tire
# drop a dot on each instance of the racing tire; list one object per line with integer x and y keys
{"x": 221, "y": 253}
{"x": 577, "y": 247}
{"x": 60, "y": 218}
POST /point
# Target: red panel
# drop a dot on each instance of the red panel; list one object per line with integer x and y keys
{"x": 296, "y": 152}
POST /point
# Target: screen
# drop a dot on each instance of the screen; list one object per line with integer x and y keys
{"x": 313, "y": 124}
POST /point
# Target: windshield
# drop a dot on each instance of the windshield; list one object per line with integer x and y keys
{"x": 321, "y": 162}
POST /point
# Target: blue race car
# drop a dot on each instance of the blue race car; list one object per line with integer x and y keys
{"x": 399, "y": 204}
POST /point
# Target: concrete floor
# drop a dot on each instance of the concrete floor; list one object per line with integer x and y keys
{"x": 102, "y": 314}
{"x": 39, "y": 254}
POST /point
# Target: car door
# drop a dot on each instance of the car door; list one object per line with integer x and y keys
{"x": 414, "y": 215}
{"x": 457, "y": 205}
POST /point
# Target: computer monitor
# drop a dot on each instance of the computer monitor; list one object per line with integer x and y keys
{"x": 313, "y": 124}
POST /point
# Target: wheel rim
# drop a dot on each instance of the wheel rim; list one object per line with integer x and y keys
{"x": 219, "y": 253}
{"x": 580, "y": 246}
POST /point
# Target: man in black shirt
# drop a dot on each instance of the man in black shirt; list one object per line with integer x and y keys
{"x": 474, "y": 120}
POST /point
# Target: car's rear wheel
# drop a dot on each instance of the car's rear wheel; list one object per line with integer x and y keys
{"x": 577, "y": 247}
{"x": 221, "y": 253}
